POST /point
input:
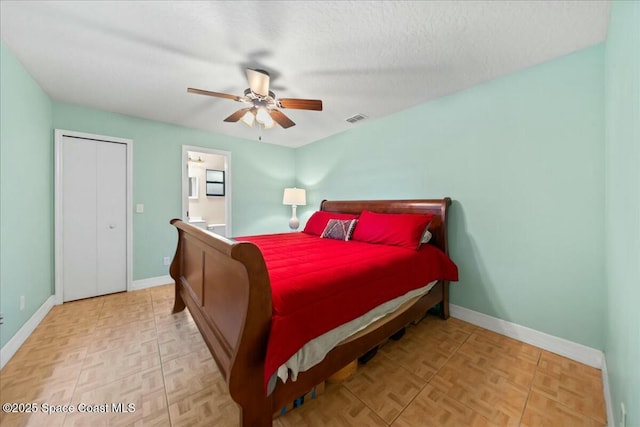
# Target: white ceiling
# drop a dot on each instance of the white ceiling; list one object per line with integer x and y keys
{"x": 374, "y": 58}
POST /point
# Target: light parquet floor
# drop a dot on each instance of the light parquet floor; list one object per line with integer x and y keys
{"x": 128, "y": 348}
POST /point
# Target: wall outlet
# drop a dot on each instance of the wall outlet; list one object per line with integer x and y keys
{"x": 623, "y": 415}
{"x": 166, "y": 260}
{"x": 1, "y": 319}
{"x": 21, "y": 302}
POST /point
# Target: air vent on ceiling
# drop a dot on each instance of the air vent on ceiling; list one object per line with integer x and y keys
{"x": 356, "y": 118}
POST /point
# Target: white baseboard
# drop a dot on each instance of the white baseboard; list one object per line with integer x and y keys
{"x": 608, "y": 402}
{"x": 150, "y": 282}
{"x": 578, "y": 352}
{"x": 12, "y": 346}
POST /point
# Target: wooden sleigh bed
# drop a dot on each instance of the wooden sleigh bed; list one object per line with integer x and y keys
{"x": 226, "y": 286}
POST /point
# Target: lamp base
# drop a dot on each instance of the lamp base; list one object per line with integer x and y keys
{"x": 294, "y": 223}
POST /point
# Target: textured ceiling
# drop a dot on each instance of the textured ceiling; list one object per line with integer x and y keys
{"x": 374, "y": 58}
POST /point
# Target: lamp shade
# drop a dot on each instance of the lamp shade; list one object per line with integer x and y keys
{"x": 294, "y": 196}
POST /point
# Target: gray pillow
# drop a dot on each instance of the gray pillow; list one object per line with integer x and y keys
{"x": 339, "y": 229}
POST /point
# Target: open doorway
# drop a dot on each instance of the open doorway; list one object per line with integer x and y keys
{"x": 206, "y": 189}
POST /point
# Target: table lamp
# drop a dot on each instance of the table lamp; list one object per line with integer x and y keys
{"x": 294, "y": 197}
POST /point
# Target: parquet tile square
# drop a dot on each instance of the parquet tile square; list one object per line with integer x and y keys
{"x": 53, "y": 379}
{"x": 385, "y": 387}
{"x": 555, "y": 364}
{"x": 105, "y": 339}
{"x": 179, "y": 322}
{"x": 65, "y": 329}
{"x": 432, "y": 408}
{"x": 162, "y": 309}
{"x": 70, "y": 312}
{"x": 542, "y": 411}
{"x": 490, "y": 394}
{"x": 118, "y": 362}
{"x": 422, "y": 353}
{"x": 506, "y": 358}
{"x": 451, "y": 326}
{"x": 337, "y": 407}
{"x": 434, "y": 330}
{"x": 574, "y": 385}
{"x": 47, "y": 342}
{"x": 130, "y": 348}
{"x": 189, "y": 374}
{"x": 165, "y": 319}
{"x": 35, "y": 389}
{"x": 210, "y": 406}
{"x": 492, "y": 344}
{"x": 160, "y": 293}
{"x": 123, "y": 314}
{"x": 127, "y": 298}
{"x": 144, "y": 390}
{"x": 177, "y": 345}
{"x": 49, "y": 357}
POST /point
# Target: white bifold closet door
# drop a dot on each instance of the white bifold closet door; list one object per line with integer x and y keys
{"x": 94, "y": 203}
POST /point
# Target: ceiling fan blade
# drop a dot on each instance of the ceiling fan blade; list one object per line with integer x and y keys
{"x": 216, "y": 94}
{"x": 237, "y": 115}
{"x": 281, "y": 119}
{"x": 258, "y": 81}
{"x": 300, "y": 104}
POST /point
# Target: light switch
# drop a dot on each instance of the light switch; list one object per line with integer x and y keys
{"x": 139, "y": 208}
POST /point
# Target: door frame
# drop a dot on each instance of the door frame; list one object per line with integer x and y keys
{"x": 227, "y": 182}
{"x": 59, "y": 197}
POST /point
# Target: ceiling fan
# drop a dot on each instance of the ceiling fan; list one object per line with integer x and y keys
{"x": 262, "y": 104}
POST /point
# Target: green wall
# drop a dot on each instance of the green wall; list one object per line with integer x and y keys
{"x": 622, "y": 346}
{"x": 259, "y": 173}
{"x": 522, "y": 158}
{"x": 26, "y": 195}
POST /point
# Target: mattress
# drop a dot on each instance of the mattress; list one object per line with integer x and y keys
{"x": 319, "y": 284}
{"x": 315, "y": 350}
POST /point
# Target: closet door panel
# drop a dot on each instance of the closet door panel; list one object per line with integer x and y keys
{"x": 111, "y": 190}
{"x": 79, "y": 219}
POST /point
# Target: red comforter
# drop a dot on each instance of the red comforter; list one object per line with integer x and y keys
{"x": 318, "y": 284}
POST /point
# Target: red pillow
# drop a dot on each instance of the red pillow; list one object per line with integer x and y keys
{"x": 404, "y": 230}
{"x": 318, "y": 221}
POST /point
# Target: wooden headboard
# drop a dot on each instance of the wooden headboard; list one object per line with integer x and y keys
{"x": 436, "y": 207}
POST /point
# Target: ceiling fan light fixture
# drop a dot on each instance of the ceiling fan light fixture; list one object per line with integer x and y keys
{"x": 248, "y": 118}
{"x": 269, "y": 124}
{"x": 263, "y": 117}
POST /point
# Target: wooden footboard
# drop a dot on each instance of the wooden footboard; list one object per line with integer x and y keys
{"x": 225, "y": 285}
